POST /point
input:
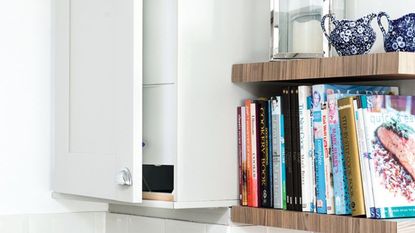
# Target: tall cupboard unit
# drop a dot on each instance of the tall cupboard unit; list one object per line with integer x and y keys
{"x": 143, "y": 98}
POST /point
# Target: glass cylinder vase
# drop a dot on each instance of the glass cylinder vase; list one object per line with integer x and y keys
{"x": 296, "y": 30}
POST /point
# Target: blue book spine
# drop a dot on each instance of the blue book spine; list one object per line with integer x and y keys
{"x": 341, "y": 185}
{"x": 318, "y": 100}
{"x": 283, "y": 178}
{"x": 311, "y": 155}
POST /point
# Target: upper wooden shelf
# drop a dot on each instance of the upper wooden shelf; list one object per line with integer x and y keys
{"x": 319, "y": 222}
{"x": 351, "y": 68}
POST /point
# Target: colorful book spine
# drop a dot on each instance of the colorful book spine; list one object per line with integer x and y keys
{"x": 276, "y": 151}
{"x": 341, "y": 186}
{"x": 263, "y": 153}
{"x": 283, "y": 165}
{"x": 255, "y": 154}
{"x": 306, "y": 148}
{"x": 320, "y": 93}
{"x": 318, "y": 101}
{"x": 239, "y": 127}
{"x": 243, "y": 135}
{"x": 249, "y": 180}
{"x": 351, "y": 153}
{"x": 327, "y": 163}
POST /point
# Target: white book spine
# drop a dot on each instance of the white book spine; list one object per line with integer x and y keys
{"x": 364, "y": 162}
{"x": 276, "y": 151}
{"x": 306, "y": 150}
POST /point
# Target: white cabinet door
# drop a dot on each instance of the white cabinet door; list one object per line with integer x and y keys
{"x": 98, "y": 98}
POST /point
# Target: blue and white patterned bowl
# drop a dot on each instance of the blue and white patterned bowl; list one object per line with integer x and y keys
{"x": 350, "y": 37}
{"x": 400, "y": 35}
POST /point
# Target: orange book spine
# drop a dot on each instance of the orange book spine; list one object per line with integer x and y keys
{"x": 248, "y": 152}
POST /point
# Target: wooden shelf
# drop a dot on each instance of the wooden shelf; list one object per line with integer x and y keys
{"x": 352, "y": 68}
{"x": 158, "y": 196}
{"x": 319, "y": 222}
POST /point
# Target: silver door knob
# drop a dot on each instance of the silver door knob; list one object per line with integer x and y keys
{"x": 124, "y": 178}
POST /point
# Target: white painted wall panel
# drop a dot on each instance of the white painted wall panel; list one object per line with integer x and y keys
{"x": 146, "y": 225}
{"x": 160, "y": 41}
{"x": 54, "y": 223}
{"x": 173, "y": 226}
{"x": 117, "y": 223}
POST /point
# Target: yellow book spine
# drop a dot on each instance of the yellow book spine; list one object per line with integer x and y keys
{"x": 351, "y": 153}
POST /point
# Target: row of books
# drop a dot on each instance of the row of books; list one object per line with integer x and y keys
{"x": 330, "y": 149}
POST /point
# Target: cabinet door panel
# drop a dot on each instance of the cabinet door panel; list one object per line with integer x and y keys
{"x": 98, "y": 98}
{"x": 159, "y": 127}
{"x": 207, "y": 99}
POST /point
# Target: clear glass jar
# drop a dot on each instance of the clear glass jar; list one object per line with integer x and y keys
{"x": 296, "y": 30}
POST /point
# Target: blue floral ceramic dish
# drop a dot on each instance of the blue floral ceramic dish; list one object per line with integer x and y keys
{"x": 350, "y": 37}
{"x": 400, "y": 35}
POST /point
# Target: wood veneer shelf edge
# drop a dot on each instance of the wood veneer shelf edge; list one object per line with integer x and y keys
{"x": 380, "y": 66}
{"x": 318, "y": 222}
{"x": 158, "y": 196}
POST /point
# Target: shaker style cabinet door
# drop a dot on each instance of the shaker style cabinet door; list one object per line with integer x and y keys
{"x": 98, "y": 98}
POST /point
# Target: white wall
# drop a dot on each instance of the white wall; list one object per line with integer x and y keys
{"x": 91, "y": 222}
{"x": 25, "y": 111}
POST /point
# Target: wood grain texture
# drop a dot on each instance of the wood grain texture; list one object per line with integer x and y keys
{"x": 319, "y": 222}
{"x": 158, "y": 196}
{"x": 352, "y": 68}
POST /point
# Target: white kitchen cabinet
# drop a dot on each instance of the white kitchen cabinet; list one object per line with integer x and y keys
{"x": 98, "y": 98}
{"x": 151, "y": 88}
